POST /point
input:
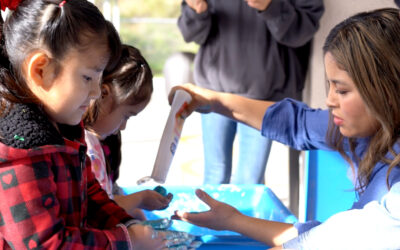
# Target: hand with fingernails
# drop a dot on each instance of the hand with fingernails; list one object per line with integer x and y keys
{"x": 219, "y": 217}
{"x": 201, "y": 98}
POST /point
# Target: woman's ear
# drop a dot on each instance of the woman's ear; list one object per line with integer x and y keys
{"x": 37, "y": 69}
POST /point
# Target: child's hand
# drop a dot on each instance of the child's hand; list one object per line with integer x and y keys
{"x": 218, "y": 217}
{"x": 152, "y": 200}
{"x": 145, "y": 238}
{"x": 138, "y": 214}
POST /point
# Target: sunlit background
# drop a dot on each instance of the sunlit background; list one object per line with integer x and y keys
{"x": 151, "y": 26}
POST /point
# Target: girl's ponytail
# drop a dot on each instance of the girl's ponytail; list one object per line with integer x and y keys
{"x": 55, "y": 26}
{"x": 6, "y": 77}
{"x": 4, "y": 62}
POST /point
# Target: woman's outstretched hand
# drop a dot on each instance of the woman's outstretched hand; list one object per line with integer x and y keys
{"x": 236, "y": 107}
{"x": 220, "y": 216}
{"x": 201, "y": 98}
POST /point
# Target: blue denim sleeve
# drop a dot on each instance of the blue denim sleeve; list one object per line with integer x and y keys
{"x": 295, "y": 124}
{"x": 375, "y": 226}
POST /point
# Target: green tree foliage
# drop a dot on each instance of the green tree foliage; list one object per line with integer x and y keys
{"x": 149, "y": 8}
{"x": 155, "y": 39}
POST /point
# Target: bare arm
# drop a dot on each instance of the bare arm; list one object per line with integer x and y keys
{"x": 242, "y": 109}
{"x": 222, "y": 216}
{"x": 270, "y": 232}
{"x": 246, "y": 110}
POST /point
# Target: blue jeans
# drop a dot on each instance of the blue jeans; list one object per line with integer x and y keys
{"x": 218, "y": 136}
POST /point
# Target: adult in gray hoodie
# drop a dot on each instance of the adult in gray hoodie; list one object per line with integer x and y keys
{"x": 255, "y": 48}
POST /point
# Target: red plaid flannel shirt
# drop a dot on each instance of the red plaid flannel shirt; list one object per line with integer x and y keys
{"x": 50, "y": 199}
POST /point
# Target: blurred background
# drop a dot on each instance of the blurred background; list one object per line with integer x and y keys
{"x": 151, "y": 26}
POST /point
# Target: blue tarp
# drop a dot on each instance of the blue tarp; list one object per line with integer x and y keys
{"x": 253, "y": 200}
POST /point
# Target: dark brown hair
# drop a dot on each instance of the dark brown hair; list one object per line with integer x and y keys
{"x": 45, "y": 25}
{"x": 130, "y": 81}
{"x": 367, "y": 47}
{"x": 112, "y": 155}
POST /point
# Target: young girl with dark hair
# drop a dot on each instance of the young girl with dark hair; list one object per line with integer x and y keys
{"x": 54, "y": 54}
{"x": 362, "y": 64}
{"x": 125, "y": 92}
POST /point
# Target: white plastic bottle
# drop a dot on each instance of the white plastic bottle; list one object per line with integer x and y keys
{"x": 170, "y": 138}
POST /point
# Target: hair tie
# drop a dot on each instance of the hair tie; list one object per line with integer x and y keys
{"x": 62, "y": 3}
{"x": 11, "y": 5}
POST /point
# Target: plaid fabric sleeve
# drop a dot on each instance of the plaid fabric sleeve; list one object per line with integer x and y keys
{"x": 33, "y": 213}
{"x": 104, "y": 213}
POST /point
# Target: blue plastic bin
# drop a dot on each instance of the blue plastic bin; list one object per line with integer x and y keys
{"x": 328, "y": 183}
{"x": 253, "y": 200}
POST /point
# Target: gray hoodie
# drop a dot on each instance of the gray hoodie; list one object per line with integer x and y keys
{"x": 261, "y": 55}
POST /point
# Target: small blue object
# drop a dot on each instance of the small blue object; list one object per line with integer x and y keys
{"x": 161, "y": 190}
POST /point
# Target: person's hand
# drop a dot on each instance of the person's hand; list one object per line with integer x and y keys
{"x": 138, "y": 214}
{"x": 152, "y": 200}
{"x": 260, "y": 5}
{"x": 201, "y": 98}
{"x": 218, "y": 217}
{"x": 146, "y": 238}
{"x": 197, "y": 5}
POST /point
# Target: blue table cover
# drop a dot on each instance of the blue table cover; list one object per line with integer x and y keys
{"x": 253, "y": 200}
